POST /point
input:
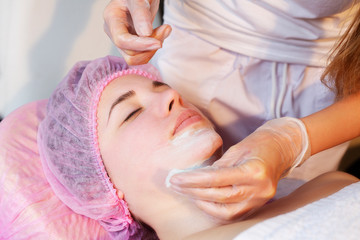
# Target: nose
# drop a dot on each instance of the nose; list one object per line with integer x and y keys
{"x": 169, "y": 100}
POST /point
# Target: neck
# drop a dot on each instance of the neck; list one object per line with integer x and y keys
{"x": 180, "y": 220}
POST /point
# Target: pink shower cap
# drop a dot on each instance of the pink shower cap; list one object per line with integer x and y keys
{"x": 69, "y": 149}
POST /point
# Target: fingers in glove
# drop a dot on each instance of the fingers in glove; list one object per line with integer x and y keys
{"x": 160, "y": 34}
{"x": 121, "y": 37}
{"x": 142, "y": 13}
{"x": 119, "y": 29}
{"x": 142, "y": 57}
{"x": 229, "y": 194}
{"x": 228, "y": 212}
{"x": 219, "y": 177}
{"x": 138, "y": 58}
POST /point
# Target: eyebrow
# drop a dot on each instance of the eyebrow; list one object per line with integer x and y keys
{"x": 131, "y": 93}
{"x": 122, "y": 98}
{"x": 157, "y": 84}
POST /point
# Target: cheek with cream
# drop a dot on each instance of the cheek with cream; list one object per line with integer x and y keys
{"x": 190, "y": 149}
{"x": 154, "y": 160}
{"x": 193, "y": 141}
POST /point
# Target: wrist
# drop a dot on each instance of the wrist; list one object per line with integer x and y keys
{"x": 292, "y": 141}
{"x": 305, "y": 152}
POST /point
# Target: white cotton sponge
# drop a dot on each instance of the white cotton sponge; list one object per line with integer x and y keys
{"x": 173, "y": 172}
{"x": 203, "y": 164}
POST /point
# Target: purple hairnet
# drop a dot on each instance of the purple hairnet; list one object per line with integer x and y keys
{"x": 69, "y": 150}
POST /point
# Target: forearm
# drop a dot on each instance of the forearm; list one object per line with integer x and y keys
{"x": 334, "y": 125}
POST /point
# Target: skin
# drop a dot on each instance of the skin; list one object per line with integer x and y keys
{"x": 154, "y": 112}
{"x": 344, "y": 124}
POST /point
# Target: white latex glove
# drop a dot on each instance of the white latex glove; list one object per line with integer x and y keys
{"x": 128, "y": 23}
{"x": 246, "y": 176}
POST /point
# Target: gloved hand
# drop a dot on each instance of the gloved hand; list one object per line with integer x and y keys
{"x": 128, "y": 23}
{"x": 246, "y": 176}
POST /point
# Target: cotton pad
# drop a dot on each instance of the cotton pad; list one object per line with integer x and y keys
{"x": 174, "y": 171}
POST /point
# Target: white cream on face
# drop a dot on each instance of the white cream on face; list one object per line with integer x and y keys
{"x": 189, "y": 138}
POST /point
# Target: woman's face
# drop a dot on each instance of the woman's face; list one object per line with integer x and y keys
{"x": 145, "y": 129}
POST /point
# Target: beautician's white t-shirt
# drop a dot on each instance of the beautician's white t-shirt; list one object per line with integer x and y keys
{"x": 292, "y": 31}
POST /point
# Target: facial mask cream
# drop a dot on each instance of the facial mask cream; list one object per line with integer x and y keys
{"x": 172, "y": 172}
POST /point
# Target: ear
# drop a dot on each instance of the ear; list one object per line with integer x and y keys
{"x": 120, "y": 194}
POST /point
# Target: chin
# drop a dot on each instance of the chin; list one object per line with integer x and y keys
{"x": 197, "y": 146}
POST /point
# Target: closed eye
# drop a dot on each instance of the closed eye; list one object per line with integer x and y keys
{"x": 132, "y": 114}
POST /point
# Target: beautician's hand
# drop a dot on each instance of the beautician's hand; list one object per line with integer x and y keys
{"x": 129, "y": 25}
{"x": 246, "y": 176}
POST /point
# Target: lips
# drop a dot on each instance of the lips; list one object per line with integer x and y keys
{"x": 186, "y": 118}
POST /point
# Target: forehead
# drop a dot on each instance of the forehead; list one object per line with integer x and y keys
{"x": 118, "y": 87}
{"x": 122, "y": 85}
{"x": 127, "y": 82}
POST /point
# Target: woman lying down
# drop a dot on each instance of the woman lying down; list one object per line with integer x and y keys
{"x": 110, "y": 138}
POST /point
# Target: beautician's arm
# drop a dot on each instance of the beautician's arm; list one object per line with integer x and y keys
{"x": 334, "y": 125}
